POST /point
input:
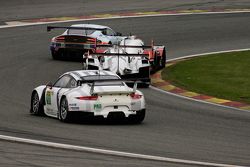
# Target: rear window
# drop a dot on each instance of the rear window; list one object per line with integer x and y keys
{"x": 99, "y": 79}
{"x": 80, "y": 32}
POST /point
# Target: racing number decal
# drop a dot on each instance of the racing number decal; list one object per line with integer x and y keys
{"x": 48, "y": 97}
{"x": 97, "y": 107}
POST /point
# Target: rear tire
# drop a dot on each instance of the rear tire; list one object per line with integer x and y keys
{"x": 139, "y": 117}
{"x": 56, "y": 55}
{"x": 163, "y": 59}
{"x": 155, "y": 64}
{"x": 64, "y": 114}
{"x": 36, "y": 106}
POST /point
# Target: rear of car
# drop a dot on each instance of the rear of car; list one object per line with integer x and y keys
{"x": 80, "y": 38}
{"x": 71, "y": 45}
{"x": 126, "y": 59}
{"x": 108, "y": 99}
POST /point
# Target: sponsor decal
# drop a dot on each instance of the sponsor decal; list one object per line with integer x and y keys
{"x": 75, "y": 108}
{"x": 48, "y": 97}
{"x": 73, "y": 104}
{"x": 97, "y": 107}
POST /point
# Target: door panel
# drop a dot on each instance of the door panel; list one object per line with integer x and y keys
{"x": 52, "y": 95}
{"x": 51, "y": 101}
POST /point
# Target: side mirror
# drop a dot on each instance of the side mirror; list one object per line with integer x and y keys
{"x": 118, "y": 34}
{"x": 49, "y": 85}
{"x": 79, "y": 83}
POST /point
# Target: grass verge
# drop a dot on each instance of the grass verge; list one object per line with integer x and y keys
{"x": 225, "y": 75}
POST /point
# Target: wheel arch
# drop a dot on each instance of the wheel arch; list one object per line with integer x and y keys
{"x": 60, "y": 100}
{"x": 41, "y": 93}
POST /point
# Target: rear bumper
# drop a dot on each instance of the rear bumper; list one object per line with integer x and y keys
{"x": 109, "y": 114}
{"x": 143, "y": 79}
{"x": 144, "y": 75}
{"x": 56, "y": 46}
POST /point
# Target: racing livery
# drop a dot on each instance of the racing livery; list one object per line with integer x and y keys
{"x": 91, "y": 93}
{"x": 79, "y": 38}
{"x": 130, "y": 59}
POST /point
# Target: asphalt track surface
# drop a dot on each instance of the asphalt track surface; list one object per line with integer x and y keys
{"x": 28, "y": 9}
{"x": 174, "y": 127}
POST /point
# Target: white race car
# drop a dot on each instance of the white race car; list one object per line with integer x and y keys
{"x": 89, "y": 93}
{"x": 130, "y": 59}
{"x": 79, "y": 38}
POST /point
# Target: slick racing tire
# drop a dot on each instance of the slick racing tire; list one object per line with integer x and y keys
{"x": 138, "y": 117}
{"x": 55, "y": 55}
{"x": 36, "y": 106}
{"x": 163, "y": 59}
{"x": 64, "y": 114}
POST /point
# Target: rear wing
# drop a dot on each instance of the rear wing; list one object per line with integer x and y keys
{"x": 127, "y": 46}
{"x": 124, "y": 46}
{"x": 120, "y": 54}
{"x": 49, "y": 28}
{"x": 93, "y": 84}
{"x": 109, "y": 80}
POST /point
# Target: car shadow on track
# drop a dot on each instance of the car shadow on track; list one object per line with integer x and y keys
{"x": 114, "y": 120}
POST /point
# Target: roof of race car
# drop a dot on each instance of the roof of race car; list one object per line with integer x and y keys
{"x": 89, "y": 26}
{"x": 82, "y": 73}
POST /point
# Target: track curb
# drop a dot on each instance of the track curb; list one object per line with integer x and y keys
{"x": 158, "y": 82}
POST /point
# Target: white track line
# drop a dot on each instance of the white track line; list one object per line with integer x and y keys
{"x": 207, "y": 53}
{"x": 120, "y": 17}
{"x": 111, "y": 152}
{"x": 189, "y": 98}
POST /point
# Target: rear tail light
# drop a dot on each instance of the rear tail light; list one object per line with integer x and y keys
{"x": 105, "y": 43}
{"x": 150, "y": 55}
{"x": 87, "y": 98}
{"x": 60, "y": 39}
{"x": 135, "y": 96}
{"x": 91, "y": 39}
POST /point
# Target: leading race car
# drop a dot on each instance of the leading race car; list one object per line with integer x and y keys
{"x": 91, "y": 93}
{"x": 125, "y": 60}
{"x": 130, "y": 59}
{"x": 79, "y": 38}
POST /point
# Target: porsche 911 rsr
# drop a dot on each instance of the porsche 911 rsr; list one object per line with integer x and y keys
{"x": 89, "y": 93}
{"x": 79, "y": 38}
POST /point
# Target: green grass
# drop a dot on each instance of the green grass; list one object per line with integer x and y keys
{"x": 224, "y": 75}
